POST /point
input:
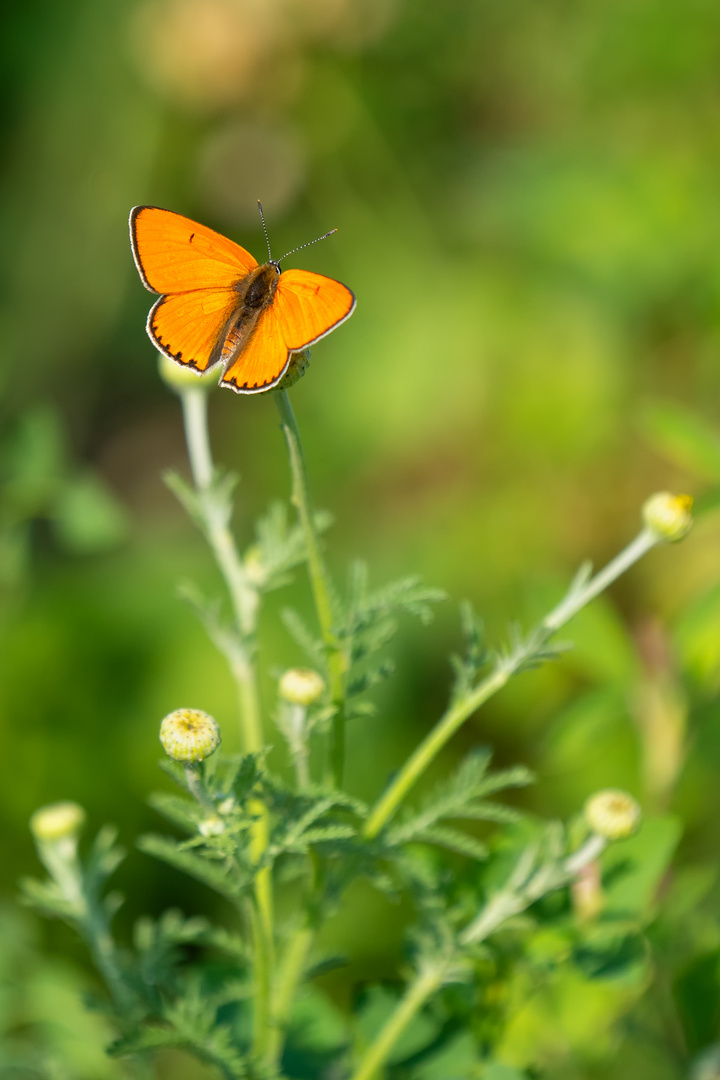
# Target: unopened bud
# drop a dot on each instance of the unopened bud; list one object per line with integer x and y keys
{"x": 211, "y": 826}
{"x": 668, "y": 516}
{"x": 181, "y": 377}
{"x": 58, "y": 821}
{"x": 612, "y": 814}
{"x": 189, "y": 735}
{"x": 299, "y": 363}
{"x": 301, "y": 686}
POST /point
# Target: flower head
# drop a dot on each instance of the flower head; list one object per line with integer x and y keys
{"x": 668, "y": 516}
{"x": 57, "y": 821}
{"x": 180, "y": 378}
{"x": 189, "y": 735}
{"x": 612, "y": 814}
{"x": 301, "y": 686}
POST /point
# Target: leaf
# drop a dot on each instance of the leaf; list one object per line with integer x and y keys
{"x": 452, "y": 839}
{"x": 298, "y": 630}
{"x": 185, "y": 495}
{"x": 218, "y": 876}
{"x": 464, "y": 795}
{"x": 183, "y": 812}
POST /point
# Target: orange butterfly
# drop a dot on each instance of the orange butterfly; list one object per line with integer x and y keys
{"x": 218, "y": 306}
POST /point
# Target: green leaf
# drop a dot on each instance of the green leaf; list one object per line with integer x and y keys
{"x": 229, "y": 881}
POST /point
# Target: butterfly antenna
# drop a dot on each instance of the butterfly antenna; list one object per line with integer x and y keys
{"x": 267, "y": 238}
{"x": 309, "y": 244}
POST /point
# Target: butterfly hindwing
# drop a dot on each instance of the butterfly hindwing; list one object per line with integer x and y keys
{"x": 191, "y": 327}
{"x": 175, "y": 254}
{"x": 308, "y": 306}
{"x": 261, "y": 362}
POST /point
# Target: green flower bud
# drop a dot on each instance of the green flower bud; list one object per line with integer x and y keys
{"x": 612, "y": 814}
{"x": 189, "y": 735}
{"x": 668, "y": 516}
{"x": 58, "y": 821}
{"x": 299, "y": 363}
{"x": 301, "y": 686}
{"x": 179, "y": 377}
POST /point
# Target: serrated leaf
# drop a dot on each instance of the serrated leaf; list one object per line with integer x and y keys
{"x": 228, "y": 881}
{"x": 179, "y": 811}
{"x": 303, "y": 636}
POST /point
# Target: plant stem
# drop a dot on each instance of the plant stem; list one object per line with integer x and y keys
{"x": 215, "y": 510}
{"x": 426, "y": 983}
{"x": 320, "y": 582}
{"x": 518, "y": 895}
{"x": 289, "y": 976}
{"x": 505, "y": 668}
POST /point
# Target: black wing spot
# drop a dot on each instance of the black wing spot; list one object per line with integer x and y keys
{"x": 192, "y": 235}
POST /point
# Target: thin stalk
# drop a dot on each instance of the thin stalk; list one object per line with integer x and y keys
{"x": 289, "y": 976}
{"x": 426, "y": 983}
{"x": 517, "y": 896}
{"x": 320, "y": 582}
{"x": 461, "y": 710}
{"x": 215, "y": 513}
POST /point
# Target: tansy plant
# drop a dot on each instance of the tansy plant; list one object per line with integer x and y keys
{"x": 242, "y": 996}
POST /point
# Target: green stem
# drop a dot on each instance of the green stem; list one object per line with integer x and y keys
{"x": 216, "y": 511}
{"x": 426, "y": 983}
{"x": 461, "y": 710}
{"x": 289, "y": 976}
{"x": 320, "y": 582}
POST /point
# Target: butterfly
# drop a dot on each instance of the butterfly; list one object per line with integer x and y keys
{"x": 219, "y": 306}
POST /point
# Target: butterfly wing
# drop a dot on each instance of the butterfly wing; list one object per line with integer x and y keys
{"x": 262, "y": 361}
{"x": 309, "y": 306}
{"x": 305, "y": 308}
{"x": 174, "y": 254}
{"x": 191, "y": 327}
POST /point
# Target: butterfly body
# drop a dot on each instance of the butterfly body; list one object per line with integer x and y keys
{"x": 218, "y": 306}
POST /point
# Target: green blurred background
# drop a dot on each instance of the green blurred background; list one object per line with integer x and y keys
{"x": 527, "y": 203}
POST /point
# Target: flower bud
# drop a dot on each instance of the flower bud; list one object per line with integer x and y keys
{"x": 58, "y": 821}
{"x": 211, "y": 826}
{"x": 668, "y": 516}
{"x": 189, "y": 735}
{"x": 612, "y": 814}
{"x": 179, "y": 377}
{"x": 299, "y": 363}
{"x": 301, "y": 686}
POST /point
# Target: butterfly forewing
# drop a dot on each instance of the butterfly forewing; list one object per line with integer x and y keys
{"x": 175, "y": 254}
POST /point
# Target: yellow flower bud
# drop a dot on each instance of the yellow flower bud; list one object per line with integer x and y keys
{"x": 58, "y": 821}
{"x": 612, "y": 814}
{"x": 189, "y": 735}
{"x": 179, "y": 377}
{"x": 301, "y": 686}
{"x": 668, "y": 516}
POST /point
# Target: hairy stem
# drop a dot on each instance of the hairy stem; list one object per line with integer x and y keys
{"x": 425, "y": 984}
{"x": 215, "y": 511}
{"x": 320, "y": 582}
{"x": 505, "y": 668}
